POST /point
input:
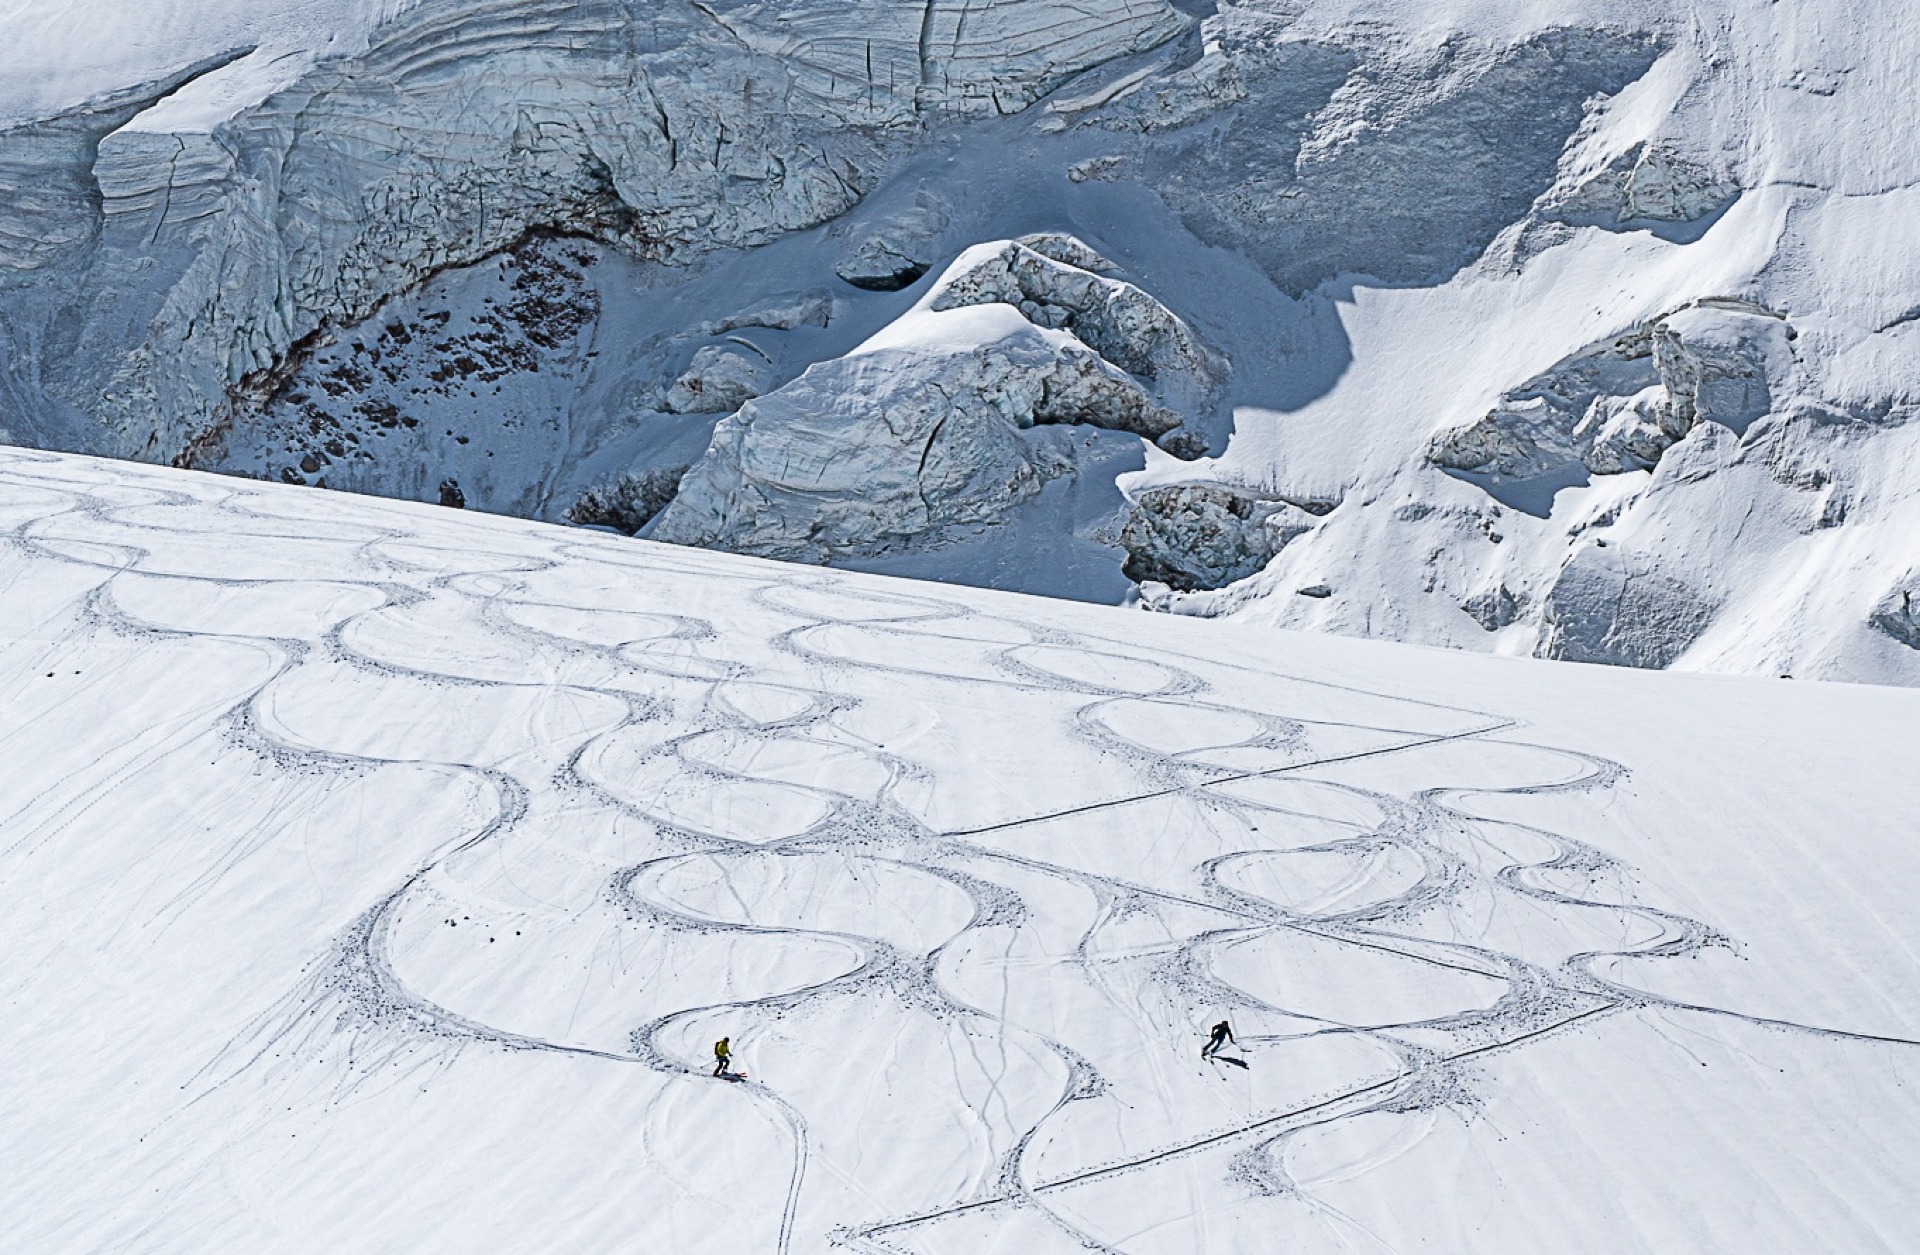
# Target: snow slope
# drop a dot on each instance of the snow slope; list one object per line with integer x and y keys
{"x": 66, "y": 55}
{"x": 1773, "y": 540}
{"x": 377, "y": 876}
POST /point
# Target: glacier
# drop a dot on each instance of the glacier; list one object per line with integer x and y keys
{"x": 540, "y": 535}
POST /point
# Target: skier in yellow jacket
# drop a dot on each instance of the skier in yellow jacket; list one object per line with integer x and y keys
{"x": 722, "y": 1057}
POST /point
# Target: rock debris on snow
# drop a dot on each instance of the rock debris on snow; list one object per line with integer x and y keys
{"x": 1202, "y": 536}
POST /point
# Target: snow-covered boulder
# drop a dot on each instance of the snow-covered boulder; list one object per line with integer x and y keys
{"x": 810, "y": 309}
{"x": 896, "y": 440}
{"x": 1494, "y": 608}
{"x": 880, "y": 264}
{"x": 895, "y": 249}
{"x": 1546, "y": 423}
{"x": 1522, "y": 437}
{"x": 1645, "y": 183}
{"x": 922, "y": 426}
{"x": 1621, "y": 434}
{"x": 719, "y": 381}
{"x": 1067, "y": 250}
{"x": 1116, "y": 319}
{"x": 1898, "y": 614}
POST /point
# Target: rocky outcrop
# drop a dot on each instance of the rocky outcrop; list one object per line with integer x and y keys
{"x": 1722, "y": 362}
{"x": 1531, "y": 432}
{"x": 888, "y": 445}
{"x": 922, "y": 427}
{"x": 811, "y": 309}
{"x": 1494, "y": 608}
{"x": 1068, "y": 251}
{"x": 1620, "y": 434}
{"x": 893, "y": 250}
{"x": 1619, "y": 404}
{"x": 629, "y": 502}
{"x": 1647, "y": 183}
{"x": 877, "y": 264}
{"x": 1204, "y": 536}
{"x": 1116, "y": 319}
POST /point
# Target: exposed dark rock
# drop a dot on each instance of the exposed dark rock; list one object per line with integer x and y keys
{"x": 630, "y": 502}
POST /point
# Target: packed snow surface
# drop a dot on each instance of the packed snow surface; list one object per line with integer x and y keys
{"x": 378, "y": 877}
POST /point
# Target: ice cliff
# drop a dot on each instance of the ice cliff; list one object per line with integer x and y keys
{"x": 924, "y": 425}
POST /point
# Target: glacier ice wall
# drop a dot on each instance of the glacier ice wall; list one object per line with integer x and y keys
{"x": 188, "y": 253}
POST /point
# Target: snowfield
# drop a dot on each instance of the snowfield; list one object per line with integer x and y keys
{"x": 377, "y": 877}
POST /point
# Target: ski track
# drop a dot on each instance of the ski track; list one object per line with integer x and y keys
{"x": 359, "y": 990}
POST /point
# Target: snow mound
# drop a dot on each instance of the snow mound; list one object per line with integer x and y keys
{"x": 924, "y": 426}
